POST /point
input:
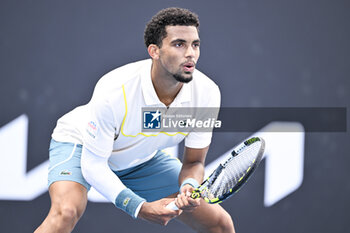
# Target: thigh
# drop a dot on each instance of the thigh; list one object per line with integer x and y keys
{"x": 207, "y": 218}
{"x": 68, "y": 195}
{"x": 154, "y": 179}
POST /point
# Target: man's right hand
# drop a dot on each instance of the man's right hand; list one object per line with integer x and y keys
{"x": 157, "y": 212}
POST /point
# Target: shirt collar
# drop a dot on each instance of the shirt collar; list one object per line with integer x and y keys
{"x": 150, "y": 95}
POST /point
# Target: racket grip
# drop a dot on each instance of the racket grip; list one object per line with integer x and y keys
{"x": 172, "y": 206}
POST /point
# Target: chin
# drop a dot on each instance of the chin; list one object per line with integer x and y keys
{"x": 182, "y": 78}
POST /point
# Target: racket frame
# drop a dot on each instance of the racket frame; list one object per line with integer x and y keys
{"x": 197, "y": 193}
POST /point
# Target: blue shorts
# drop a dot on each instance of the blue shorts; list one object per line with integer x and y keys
{"x": 152, "y": 180}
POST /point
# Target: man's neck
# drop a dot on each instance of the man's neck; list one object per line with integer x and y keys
{"x": 165, "y": 85}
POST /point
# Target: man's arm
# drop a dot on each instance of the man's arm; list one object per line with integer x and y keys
{"x": 97, "y": 172}
{"x": 190, "y": 177}
{"x": 193, "y": 164}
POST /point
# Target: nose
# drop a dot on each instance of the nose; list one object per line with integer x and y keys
{"x": 190, "y": 52}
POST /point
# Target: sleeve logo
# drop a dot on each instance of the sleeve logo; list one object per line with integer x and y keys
{"x": 92, "y": 129}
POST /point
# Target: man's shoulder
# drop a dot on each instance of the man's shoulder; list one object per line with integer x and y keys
{"x": 115, "y": 79}
{"x": 206, "y": 91}
{"x": 201, "y": 81}
{"x": 125, "y": 73}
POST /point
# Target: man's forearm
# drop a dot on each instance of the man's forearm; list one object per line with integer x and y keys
{"x": 193, "y": 164}
{"x": 193, "y": 170}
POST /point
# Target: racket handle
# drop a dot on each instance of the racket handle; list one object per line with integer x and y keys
{"x": 172, "y": 206}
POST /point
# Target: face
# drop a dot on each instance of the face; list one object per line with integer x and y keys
{"x": 179, "y": 52}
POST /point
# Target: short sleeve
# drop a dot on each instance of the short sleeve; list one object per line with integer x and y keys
{"x": 100, "y": 127}
{"x": 200, "y": 140}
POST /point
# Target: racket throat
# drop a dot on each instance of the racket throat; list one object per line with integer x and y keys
{"x": 196, "y": 194}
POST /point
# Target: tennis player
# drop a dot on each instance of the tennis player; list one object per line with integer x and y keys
{"x": 101, "y": 144}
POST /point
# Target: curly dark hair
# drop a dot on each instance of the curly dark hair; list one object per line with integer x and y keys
{"x": 155, "y": 29}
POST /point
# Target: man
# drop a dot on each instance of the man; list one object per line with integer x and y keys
{"x": 101, "y": 143}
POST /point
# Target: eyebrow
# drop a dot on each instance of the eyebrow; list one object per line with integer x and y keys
{"x": 183, "y": 41}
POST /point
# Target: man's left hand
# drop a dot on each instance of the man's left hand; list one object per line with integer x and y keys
{"x": 184, "y": 201}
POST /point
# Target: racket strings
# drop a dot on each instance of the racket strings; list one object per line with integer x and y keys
{"x": 234, "y": 170}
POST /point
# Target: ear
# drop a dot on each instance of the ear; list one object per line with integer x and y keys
{"x": 153, "y": 51}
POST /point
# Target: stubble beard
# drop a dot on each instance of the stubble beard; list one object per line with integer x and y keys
{"x": 180, "y": 78}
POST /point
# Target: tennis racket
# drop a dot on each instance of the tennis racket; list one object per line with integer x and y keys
{"x": 230, "y": 175}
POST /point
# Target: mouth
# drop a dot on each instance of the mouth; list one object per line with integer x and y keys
{"x": 189, "y": 67}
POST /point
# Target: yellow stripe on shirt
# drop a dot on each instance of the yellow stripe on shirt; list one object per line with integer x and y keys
{"x": 146, "y": 135}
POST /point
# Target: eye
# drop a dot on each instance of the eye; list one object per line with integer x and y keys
{"x": 179, "y": 44}
{"x": 196, "y": 45}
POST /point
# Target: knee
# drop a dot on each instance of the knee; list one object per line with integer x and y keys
{"x": 69, "y": 213}
{"x": 225, "y": 224}
{"x": 66, "y": 215}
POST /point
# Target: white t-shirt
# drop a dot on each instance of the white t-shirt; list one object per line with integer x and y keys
{"x": 110, "y": 125}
